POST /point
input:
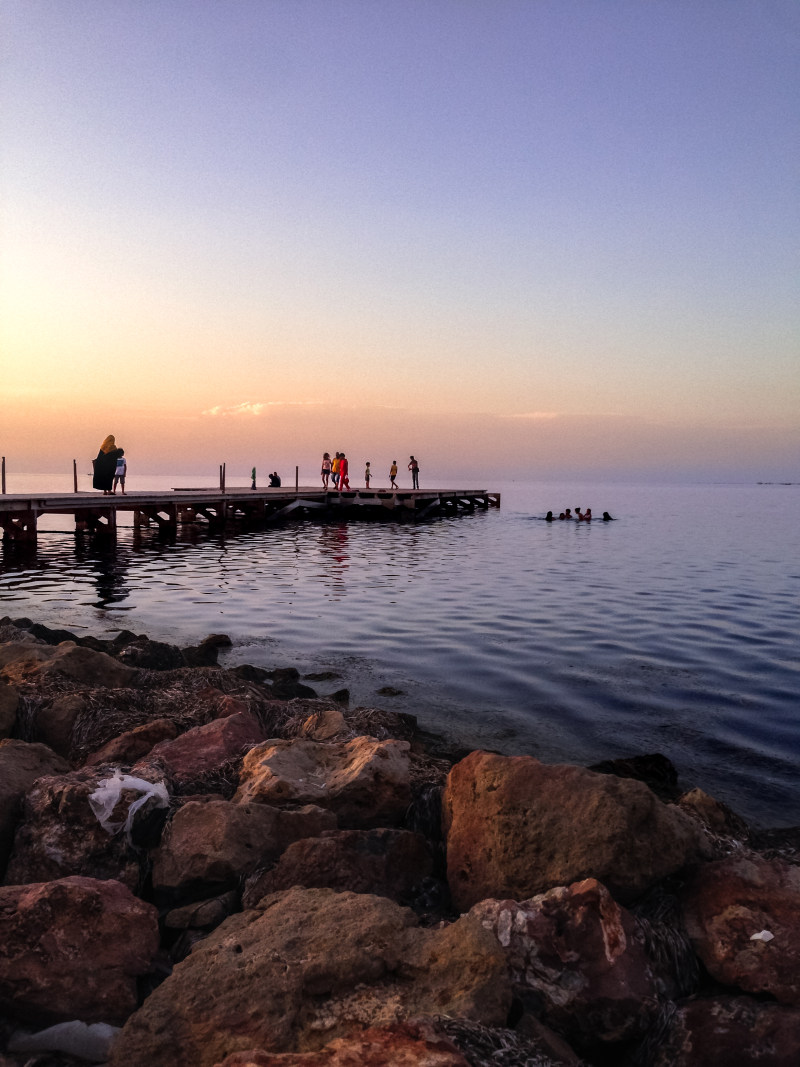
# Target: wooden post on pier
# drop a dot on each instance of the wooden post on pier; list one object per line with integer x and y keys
{"x": 75, "y": 476}
{"x": 296, "y": 478}
{"x": 223, "y": 477}
{"x": 3, "y": 477}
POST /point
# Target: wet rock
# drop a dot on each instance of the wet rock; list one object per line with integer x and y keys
{"x": 59, "y": 834}
{"x": 52, "y": 636}
{"x": 728, "y": 1030}
{"x": 152, "y": 655}
{"x": 655, "y": 770}
{"x": 202, "y": 655}
{"x": 307, "y": 967}
{"x": 324, "y": 725}
{"x": 195, "y": 761}
{"x": 9, "y": 702}
{"x": 208, "y": 846}
{"x": 21, "y": 764}
{"x": 718, "y": 819}
{"x": 322, "y": 676}
{"x": 73, "y": 949}
{"x": 516, "y": 827}
{"x": 412, "y": 1044}
{"x": 133, "y": 744}
{"x": 388, "y": 863}
{"x": 66, "y": 664}
{"x": 583, "y": 958}
{"x": 364, "y": 781}
{"x": 729, "y": 901}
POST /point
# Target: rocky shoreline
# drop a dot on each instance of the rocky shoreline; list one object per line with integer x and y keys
{"x": 218, "y": 867}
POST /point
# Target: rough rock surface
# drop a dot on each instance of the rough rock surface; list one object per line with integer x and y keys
{"x": 21, "y": 764}
{"x": 130, "y": 746}
{"x": 389, "y": 863}
{"x": 68, "y": 663}
{"x": 581, "y": 953}
{"x": 365, "y": 781}
{"x": 193, "y": 760}
{"x": 516, "y": 827}
{"x": 402, "y": 1045}
{"x": 73, "y": 949}
{"x": 310, "y": 965}
{"x": 209, "y": 846}
{"x": 729, "y": 901}
{"x": 730, "y": 1031}
{"x": 9, "y": 702}
{"x": 59, "y": 834}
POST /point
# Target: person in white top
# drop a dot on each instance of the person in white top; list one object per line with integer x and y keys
{"x": 121, "y": 471}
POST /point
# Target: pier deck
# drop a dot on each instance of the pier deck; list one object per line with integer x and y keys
{"x": 166, "y": 510}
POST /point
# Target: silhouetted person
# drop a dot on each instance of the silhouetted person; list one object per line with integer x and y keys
{"x": 413, "y": 466}
{"x": 607, "y": 517}
{"x": 548, "y": 517}
{"x": 274, "y": 480}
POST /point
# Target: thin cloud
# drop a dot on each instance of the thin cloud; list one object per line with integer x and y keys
{"x": 533, "y": 415}
{"x": 256, "y": 408}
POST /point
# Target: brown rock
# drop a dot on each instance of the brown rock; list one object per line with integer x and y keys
{"x": 193, "y": 760}
{"x": 324, "y": 725}
{"x": 64, "y": 663}
{"x": 516, "y": 827}
{"x": 306, "y": 967}
{"x": 208, "y": 846}
{"x": 73, "y": 949}
{"x": 55, "y": 717}
{"x": 20, "y": 766}
{"x": 203, "y": 913}
{"x": 411, "y": 1044}
{"x": 730, "y": 900}
{"x": 133, "y": 744}
{"x": 9, "y": 702}
{"x": 366, "y": 782}
{"x": 581, "y": 953}
{"x": 730, "y": 1031}
{"x": 59, "y": 834}
{"x": 386, "y": 862}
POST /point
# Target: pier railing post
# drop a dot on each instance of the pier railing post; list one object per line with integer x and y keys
{"x": 75, "y": 476}
{"x": 3, "y": 477}
{"x": 296, "y": 478}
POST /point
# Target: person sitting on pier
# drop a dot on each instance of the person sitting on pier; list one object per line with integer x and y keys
{"x": 274, "y": 480}
{"x": 121, "y": 471}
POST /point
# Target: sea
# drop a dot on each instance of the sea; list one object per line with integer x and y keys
{"x": 673, "y": 628}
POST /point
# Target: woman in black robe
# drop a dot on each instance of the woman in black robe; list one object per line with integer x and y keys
{"x": 105, "y": 465}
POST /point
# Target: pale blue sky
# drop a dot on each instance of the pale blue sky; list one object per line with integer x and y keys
{"x": 581, "y": 211}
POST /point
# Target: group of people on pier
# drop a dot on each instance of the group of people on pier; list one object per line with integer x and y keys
{"x": 337, "y": 470}
{"x": 579, "y": 516}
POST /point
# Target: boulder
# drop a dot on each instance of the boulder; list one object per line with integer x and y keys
{"x": 581, "y": 955}
{"x": 133, "y": 744}
{"x": 54, "y": 718}
{"x": 66, "y": 664}
{"x": 388, "y": 863}
{"x": 198, "y": 759}
{"x": 306, "y": 967}
{"x": 73, "y": 949}
{"x": 364, "y": 781}
{"x": 516, "y": 827}
{"x": 21, "y": 764}
{"x": 9, "y": 702}
{"x": 60, "y": 835}
{"x": 729, "y": 1030}
{"x": 324, "y": 725}
{"x": 208, "y": 847}
{"x": 731, "y": 900}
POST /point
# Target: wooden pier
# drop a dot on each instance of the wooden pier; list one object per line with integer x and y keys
{"x": 217, "y": 509}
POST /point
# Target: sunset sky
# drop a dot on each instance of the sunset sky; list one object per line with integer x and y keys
{"x": 515, "y": 237}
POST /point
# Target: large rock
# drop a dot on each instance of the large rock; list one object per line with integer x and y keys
{"x": 516, "y": 827}
{"x": 583, "y": 957}
{"x": 9, "y": 702}
{"x": 411, "y": 1044}
{"x": 366, "y": 782}
{"x": 308, "y": 966}
{"x": 59, "y": 834}
{"x": 130, "y": 746}
{"x": 73, "y": 949}
{"x": 729, "y": 901}
{"x": 386, "y": 862}
{"x": 208, "y": 847}
{"x": 195, "y": 761}
{"x": 730, "y": 1031}
{"x": 66, "y": 663}
{"x": 20, "y": 766}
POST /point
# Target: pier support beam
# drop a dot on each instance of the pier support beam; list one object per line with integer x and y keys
{"x": 19, "y": 526}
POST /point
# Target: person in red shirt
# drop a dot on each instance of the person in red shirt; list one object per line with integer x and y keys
{"x": 344, "y": 481}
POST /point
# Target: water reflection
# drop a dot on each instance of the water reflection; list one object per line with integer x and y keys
{"x": 107, "y": 566}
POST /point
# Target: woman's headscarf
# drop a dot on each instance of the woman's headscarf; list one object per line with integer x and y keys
{"x": 109, "y": 444}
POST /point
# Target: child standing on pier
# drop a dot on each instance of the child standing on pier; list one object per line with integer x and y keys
{"x": 367, "y": 475}
{"x": 120, "y": 471}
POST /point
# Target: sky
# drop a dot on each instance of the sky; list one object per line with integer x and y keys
{"x": 517, "y": 238}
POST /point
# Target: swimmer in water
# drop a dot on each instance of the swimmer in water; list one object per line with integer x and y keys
{"x": 568, "y": 514}
{"x": 548, "y": 517}
{"x": 607, "y": 517}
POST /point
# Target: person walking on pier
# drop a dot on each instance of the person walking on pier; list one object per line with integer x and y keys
{"x": 413, "y": 466}
{"x": 344, "y": 466}
{"x": 326, "y": 469}
{"x": 105, "y": 466}
{"x": 393, "y": 475}
{"x": 335, "y": 465}
{"x": 121, "y": 471}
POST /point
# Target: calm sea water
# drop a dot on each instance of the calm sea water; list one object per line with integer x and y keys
{"x": 672, "y": 629}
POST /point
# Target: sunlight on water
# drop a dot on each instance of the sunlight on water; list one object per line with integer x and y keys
{"x": 673, "y": 628}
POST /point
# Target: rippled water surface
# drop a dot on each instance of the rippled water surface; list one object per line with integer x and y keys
{"x": 673, "y": 629}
